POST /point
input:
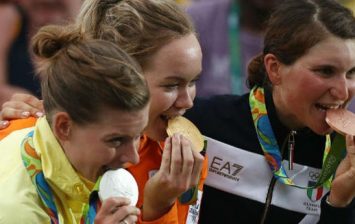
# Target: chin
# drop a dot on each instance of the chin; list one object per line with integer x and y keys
{"x": 157, "y": 136}
{"x": 328, "y": 131}
{"x": 115, "y": 166}
{"x": 324, "y": 130}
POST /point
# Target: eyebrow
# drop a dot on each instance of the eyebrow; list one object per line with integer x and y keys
{"x": 111, "y": 136}
{"x": 178, "y": 78}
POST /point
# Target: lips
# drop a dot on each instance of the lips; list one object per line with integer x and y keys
{"x": 164, "y": 117}
{"x": 328, "y": 106}
{"x": 170, "y": 116}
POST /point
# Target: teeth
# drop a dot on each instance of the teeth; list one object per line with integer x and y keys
{"x": 329, "y": 106}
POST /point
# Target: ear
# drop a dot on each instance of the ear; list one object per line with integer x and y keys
{"x": 62, "y": 125}
{"x": 272, "y": 66}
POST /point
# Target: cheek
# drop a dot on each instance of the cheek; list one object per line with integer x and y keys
{"x": 351, "y": 87}
{"x": 192, "y": 92}
{"x": 106, "y": 154}
{"x": 305, "y": 85}
{"x": 162, "y": 101}
{"x": 137, "y": 143}
{"x": 302, "y": 93}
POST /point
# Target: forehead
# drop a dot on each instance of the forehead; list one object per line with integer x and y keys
{"x": 333, "y": 50}
{"x": 180, "y": 57}
{"x": 120, "y": 122}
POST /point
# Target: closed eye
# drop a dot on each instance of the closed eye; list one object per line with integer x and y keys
{"x": 170, "y": 87}
{"x": 193, "y": 82}
{"x": 325, "y": 71}
{"x": 351, "y": 74}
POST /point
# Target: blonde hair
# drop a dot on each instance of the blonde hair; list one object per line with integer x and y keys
{"x": 82, "y": 76}
{"x": 140, "y": 27}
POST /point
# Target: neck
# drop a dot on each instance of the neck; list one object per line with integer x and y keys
{"x": 91, "y": 175}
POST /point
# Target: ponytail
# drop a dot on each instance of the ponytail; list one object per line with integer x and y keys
{"x": 256, "y": 72}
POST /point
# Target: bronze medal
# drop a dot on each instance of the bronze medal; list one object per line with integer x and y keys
{"x": 342, "y": 121}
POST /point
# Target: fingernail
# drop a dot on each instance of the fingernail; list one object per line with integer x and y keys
{"x": 25, "y": 114}
{"x": 39, "y": 114}
{"x": 173, "y": 137}
{"x": 4, "y": 123}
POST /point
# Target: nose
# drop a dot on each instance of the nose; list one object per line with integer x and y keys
{"x": 185, "y": 98}
{"x": 340, "y": 88}
{"x": 130, "y": 154}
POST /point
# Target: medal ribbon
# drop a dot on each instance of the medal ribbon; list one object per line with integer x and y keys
{"x": 333, "y": 153}
{"x": 33, "y": 166}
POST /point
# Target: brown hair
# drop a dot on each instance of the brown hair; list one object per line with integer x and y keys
{"x": 295, "y": 27}
{"x": 140, "y": 27}
{"x": 82, "y": 76}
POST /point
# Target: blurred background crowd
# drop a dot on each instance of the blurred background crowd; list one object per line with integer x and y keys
{"x": 230, "y": 32}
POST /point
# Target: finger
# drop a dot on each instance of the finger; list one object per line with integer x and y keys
{"x": 187, "y": 156}
{"x": 197, "y": 168}
{"x": 29, "y": 99}
{"x": 350, "y": 146}
{"x": 112, "y": 204}
{"x": 126, "y": 213}
{"x": 166, "y": 157}
{"x": 176, "y": 157}
{"x": 11, "y": 113}
{"x": 4, "y": 124}
{"x": 33, "y": 102}
{"x": 345, "y": 164}
{"x": 130, "y": 219}
{"x": 35, "y": 111}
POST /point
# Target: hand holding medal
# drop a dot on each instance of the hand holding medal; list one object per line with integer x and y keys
{"x": 342, "y": 191}
{"x": 180, "y": 170}
{"x": 186, "y": 128}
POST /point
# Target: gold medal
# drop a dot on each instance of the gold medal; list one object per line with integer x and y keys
{"x": 186, "y": 128}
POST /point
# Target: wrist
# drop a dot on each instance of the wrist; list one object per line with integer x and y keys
{"x": 152, "y": 211}
{"x": 335, "y": 203}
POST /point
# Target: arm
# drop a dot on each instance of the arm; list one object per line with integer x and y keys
{"x": 9, "y": 21}
{"x": 9, "y": 25}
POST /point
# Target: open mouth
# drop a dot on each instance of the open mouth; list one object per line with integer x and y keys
{"x": 164, "y": 117}
{"x": 325, "y": 107}
{"x": 168, "y": 117}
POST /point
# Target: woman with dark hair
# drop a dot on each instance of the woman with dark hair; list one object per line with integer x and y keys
{"x": 277, "y": 166}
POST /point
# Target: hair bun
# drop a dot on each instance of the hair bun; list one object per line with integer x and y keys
{"x": 104, "y": 5}
{"x": 52, "y": 39}
{"x": 108, "y": 3}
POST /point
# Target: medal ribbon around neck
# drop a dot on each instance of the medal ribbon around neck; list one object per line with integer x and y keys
{"x": 333, "y": 153}
{"x": 33, "y": 166}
